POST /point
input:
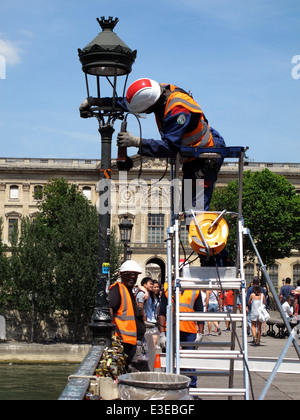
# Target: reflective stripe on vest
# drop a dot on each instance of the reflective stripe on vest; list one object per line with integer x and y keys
{"x": 201, "y": 136}
{"x": 124, "y": 318}
{"x": 190, "y": 304}
{"x": 202, "y": 131}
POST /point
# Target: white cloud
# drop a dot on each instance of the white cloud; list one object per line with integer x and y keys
{"x": 10, "y": 51}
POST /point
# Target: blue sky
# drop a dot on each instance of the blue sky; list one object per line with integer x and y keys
{"x": 234, "y": 55}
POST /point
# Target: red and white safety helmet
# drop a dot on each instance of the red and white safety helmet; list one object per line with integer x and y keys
{"x": 142, "y": 94}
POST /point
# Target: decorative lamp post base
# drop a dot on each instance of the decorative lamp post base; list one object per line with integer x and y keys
{"x": 102, "y": 333}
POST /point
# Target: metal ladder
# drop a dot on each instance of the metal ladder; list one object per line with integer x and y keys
{"x": 205, "y": 279}
{"x": 179, "y": 359}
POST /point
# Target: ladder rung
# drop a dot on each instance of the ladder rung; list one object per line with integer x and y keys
{"x": 204, "y": 372}
{"x": 209, "y": 272}
{"x": 210, "y": 316}
{"x": 207, "y": 284}
{"x": 230, "y": 392}
{"x": 206, "y": 344}
{"x": 211, "y": 354}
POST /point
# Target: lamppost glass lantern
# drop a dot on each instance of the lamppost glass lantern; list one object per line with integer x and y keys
{"x": 125, "y": 230}
{"x": 108, "y": 57}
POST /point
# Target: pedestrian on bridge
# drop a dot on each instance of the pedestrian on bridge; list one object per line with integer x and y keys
{"x": 190, "y": 331}
{"x": 257, "y": 298}
{"x": 128, "y": 318}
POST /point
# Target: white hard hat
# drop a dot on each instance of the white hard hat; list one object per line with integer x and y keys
{"x": 142, "y": 94}
{"x": 130, "y": 265}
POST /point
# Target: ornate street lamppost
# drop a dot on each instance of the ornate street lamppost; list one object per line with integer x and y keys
{"x": 106, "y": 57}
{"x": 125, "y": 227}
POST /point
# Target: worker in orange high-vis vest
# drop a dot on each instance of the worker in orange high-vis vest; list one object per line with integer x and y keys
{"x": 128, "y": 318}
{"x": 180, "y": 121}
{"x": 189, "y": 301}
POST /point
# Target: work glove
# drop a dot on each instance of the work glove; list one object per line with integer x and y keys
{"x": 126, "y": 139}
{"x": 84, "y": 107}
{"x": 162, "y": 340}
{"x": 199, "y": 338}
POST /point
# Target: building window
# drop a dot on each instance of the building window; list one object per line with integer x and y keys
{"x": 296, "y": 274}
{"x": 14, "y": 192}
{"x": 156, "y": 227}
{"x": 249, "y": 272}
{"x": 273, "y": 273}
{"x": 12, "y": 224}
{"x": 184, "y": 233}
{"x": 38, "y": 192}
{"x": 87, "y": 192}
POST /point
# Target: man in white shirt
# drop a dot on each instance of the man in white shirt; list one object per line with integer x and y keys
{"x": 288, "y": 306}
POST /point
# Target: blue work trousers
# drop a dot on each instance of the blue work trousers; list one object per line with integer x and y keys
{"x": 189, "y": 337}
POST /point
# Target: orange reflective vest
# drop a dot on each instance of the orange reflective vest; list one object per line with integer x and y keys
{"x": 187, "y": 301}
{"x": 201, "y": 135}
{"x": 124, "y": 319}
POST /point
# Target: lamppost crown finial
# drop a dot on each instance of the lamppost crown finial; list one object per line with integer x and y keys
{"x": 109, "y": 23}
{"x": 107, "y": 55}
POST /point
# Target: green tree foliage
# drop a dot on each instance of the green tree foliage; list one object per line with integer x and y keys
{"x": 70, "y": 223}
{"x": 31, "y": 272}
{"x": 31, "y": 269}
{"x": 271, "y": 210}
{"x": 4, "y": 271}
{"x": 53, "y": 263}
{"x": 116, "y": 256}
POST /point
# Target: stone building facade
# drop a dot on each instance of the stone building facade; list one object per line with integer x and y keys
{"x": 143, "y": 195}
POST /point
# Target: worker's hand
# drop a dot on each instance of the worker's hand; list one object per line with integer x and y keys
{"x": 199, "y": 338}
{"x": 126, "y": 139}
{"x": 84, "y": 107}
{"x": 162, "y": 340}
